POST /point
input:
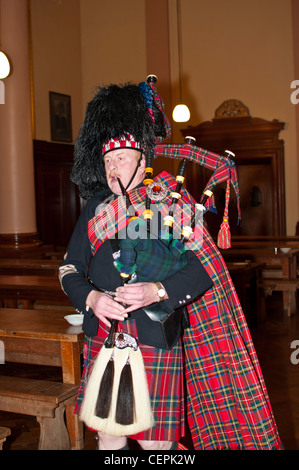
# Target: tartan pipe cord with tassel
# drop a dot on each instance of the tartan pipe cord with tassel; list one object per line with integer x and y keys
{"x": 223, "y": 166}
{"x": 228, "y": 404}
{"x": 224, "y": 236}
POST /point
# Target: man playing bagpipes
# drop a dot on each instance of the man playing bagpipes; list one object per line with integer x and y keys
{"x": 163, "y": 324}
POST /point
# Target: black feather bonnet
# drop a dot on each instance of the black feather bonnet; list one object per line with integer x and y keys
{"x": 115, "y": 111}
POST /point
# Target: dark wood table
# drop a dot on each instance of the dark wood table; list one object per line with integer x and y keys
{"x": 44, "y": 337}
{"x": 271, "y": 256}
{"x": 14, "y": 288}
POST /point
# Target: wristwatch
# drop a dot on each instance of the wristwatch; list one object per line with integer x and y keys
{"x": 161, "y": 291}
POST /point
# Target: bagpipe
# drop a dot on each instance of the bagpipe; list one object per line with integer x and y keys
{"x": 116, "y": 399}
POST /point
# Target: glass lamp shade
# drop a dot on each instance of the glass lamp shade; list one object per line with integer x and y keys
{"x": 181, "y": 113}
{"x": 4, "y": 66}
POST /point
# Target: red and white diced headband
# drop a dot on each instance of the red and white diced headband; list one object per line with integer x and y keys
{"x": 126, "y": 141}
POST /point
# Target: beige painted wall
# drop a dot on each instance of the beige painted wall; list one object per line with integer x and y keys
{"x": 113, "y": 43}
{"x": 79, "y": 44}
{"x": 231, "y": 49}
{"x": 243, "y": 50}
{"x": 56, "y": 59}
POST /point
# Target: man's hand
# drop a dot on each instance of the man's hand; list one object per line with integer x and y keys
{"x": 104, "y": 307}
{"x": 137, "y": 295}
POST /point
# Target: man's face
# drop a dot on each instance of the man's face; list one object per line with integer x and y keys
{"x": 122, "y": 163}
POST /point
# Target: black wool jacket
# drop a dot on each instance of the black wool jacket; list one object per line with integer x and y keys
{"x": 80, "y": 267}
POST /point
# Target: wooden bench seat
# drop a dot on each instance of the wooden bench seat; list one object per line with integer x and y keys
{"x": 4, "y": 432}
{"x": 41, "y": 398}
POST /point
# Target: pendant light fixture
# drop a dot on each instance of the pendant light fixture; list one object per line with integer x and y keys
{"x": 181, "y": 112}
{"x": 4, "y": 62}
{"x": 4, "y": 66}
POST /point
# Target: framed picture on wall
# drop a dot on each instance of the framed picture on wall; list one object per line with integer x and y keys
{"x": 60, "y": 117}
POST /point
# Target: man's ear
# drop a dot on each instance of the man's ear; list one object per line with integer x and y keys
{"x": 142, "y": 164}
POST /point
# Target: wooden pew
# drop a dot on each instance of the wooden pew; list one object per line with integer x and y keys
{"x": 31, "y": 288}
{"x": 36, "y": 251}
{"x": 29, "y": 266}
{"x": 4, "y": 433}
{"x": 44, "y": 399}
{"x": 270, "y": 241}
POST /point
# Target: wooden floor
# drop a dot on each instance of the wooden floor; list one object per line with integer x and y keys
{"x": 273, "y": 345}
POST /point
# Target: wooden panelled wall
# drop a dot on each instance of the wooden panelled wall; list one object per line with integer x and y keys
{"x": 57, "y": 199}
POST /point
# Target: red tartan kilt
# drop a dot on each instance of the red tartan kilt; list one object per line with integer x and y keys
{"x": 164, "y": 371}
